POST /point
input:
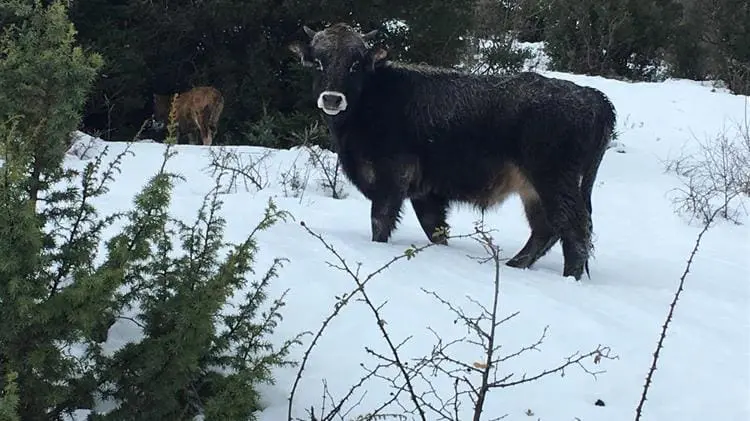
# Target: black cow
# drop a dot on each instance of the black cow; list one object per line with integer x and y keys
{"x": 437, "y": 136}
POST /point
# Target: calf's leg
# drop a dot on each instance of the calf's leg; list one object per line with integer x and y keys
{"x": 202, "y": 137}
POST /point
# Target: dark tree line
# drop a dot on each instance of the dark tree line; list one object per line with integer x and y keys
{"x": 239, "y": 46}
{"x": 634, "y": 39}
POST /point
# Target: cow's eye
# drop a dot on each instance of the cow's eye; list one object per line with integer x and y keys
{"x": 355, "y": 67}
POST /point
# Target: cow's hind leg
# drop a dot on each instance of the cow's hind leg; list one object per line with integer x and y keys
{"x": 569, "y": 216}
{"x": 542, "y": 236}
{"x": 576, "y": 241}
{"x": 431, "y": 211}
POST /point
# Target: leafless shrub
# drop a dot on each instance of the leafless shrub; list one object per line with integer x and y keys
{"x": 313, "y": 134}
{"x": 715, "y": 177}
{"x": 294, "y": 182}
{"x": 84, "y": 150}
{"x": 333, "y": 179}
{"x": 241, "y": 169}
{"x": 475, "y": 380}
{"x": 88, "y": 150}
{"x": 492, "y": 47}
{"x": 412, "y": 390}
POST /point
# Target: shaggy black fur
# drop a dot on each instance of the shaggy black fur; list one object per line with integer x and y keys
{"x": 437, "y": 136}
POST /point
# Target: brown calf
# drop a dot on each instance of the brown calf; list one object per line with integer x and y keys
{"x": 197, "y": 113}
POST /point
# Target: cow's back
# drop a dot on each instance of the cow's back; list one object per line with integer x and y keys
{"x": 464, "y": 129}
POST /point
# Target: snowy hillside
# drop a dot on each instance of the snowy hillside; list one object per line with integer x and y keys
{"x": 641, "y": 250}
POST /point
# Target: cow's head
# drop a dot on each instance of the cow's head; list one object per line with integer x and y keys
{"x": 342, "y": 59}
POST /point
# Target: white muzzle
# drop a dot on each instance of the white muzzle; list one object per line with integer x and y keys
{"x": 332, "y": 102}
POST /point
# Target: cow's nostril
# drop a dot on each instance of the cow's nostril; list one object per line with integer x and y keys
{"x": 332, "y": 100}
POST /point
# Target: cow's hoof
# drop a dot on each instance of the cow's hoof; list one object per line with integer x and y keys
{"x": 518, "y": 262}
{"x": 440, "y": 240}
{"x": 379, "y": 239}
{"x": 576, "y": 273}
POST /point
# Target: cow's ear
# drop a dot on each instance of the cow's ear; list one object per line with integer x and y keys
{"x": 377, "y": 55}
{"x": 302, "y": 50}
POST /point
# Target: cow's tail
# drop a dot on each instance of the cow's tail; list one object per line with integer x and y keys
{"x": 605, "y": 131}
{"x": 605, "y": 124}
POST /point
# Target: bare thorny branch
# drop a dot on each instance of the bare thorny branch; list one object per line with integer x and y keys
{"x": 227, "y": 161}
{"x": 464, "y": 374}
{"x": 722, "y": 171}
{"x": 344, "y": 300}
{"x": 670, "y": 312}
{"x": 429, "y": 404}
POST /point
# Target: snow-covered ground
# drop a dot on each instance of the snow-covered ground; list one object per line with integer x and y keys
{"x": 641, "y": 251}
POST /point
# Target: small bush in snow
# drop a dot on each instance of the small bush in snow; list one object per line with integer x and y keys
{"x": 195, "y": 357}
{"x": 715, "y": 177}
{"x": 293, "y": 181}
{"x": 241, "y": 168}
{"x": 332, "y": 178}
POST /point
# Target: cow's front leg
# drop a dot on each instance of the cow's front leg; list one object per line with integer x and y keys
{"x": 385, "y": 214}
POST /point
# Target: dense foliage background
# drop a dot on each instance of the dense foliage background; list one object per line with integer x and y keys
{"x": 239, "y": 46}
